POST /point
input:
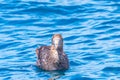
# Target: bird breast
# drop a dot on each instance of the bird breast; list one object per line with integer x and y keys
{"x": 55, "y": 55}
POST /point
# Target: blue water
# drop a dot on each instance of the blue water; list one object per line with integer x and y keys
{"x": 91, "y": 32}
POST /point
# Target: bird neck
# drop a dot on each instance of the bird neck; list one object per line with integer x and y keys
{"x": 59, "y": 49}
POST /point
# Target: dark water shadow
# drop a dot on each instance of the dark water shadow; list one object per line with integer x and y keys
{"x": 51, "y": 75}
{"x": 56, "y": 74}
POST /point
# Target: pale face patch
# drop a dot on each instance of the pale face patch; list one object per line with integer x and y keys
{"x": 57, "y": 42}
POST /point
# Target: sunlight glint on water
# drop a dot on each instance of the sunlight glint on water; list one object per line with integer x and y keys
{"x": 90, "y": 29}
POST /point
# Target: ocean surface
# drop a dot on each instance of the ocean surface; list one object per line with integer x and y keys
{"x": 91, "y": 32}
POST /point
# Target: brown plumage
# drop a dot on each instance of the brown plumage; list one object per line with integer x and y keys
{"x": 52, "y": 57}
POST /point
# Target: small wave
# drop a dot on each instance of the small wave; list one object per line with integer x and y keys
{"x": 90, "y": 30}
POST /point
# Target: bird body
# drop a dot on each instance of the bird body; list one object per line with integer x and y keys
{"x": 52, "y": 57}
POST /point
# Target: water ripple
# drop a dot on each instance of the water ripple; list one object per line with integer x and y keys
{"x": 90, "y": 29}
